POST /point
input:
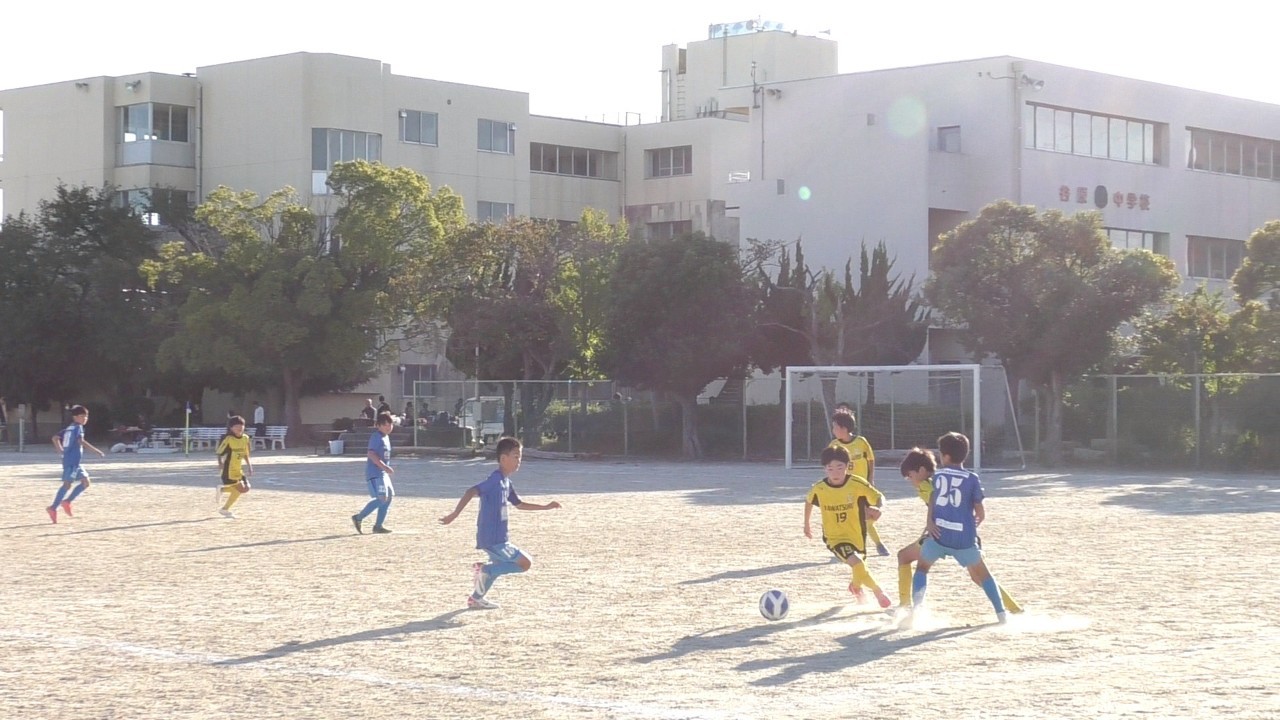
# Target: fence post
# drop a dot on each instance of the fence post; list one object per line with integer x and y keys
{"x": 1113, "y": 423}
{"x": 626, "y": 431}
{"x": 569, "y": 392}
{"x": 893, "y": 415}
{"x": 744, "y": 417}
{"x": 22, "y": 433}
{"x": 1195, "y": 404}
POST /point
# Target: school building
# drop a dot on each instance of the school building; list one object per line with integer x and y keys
{"x": 759, "y": 137}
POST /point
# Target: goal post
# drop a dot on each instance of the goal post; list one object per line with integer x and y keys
{"x": 903, "y": 406}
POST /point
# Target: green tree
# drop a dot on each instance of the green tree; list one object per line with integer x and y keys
{"x": 269, "y": 301}
{"x": 1257, "y": 286}
{"x": 73, "y": 309}
{"x": 1043, "y": 293}
{"x": 680, "y": 317}
{"x": 1193, "y": 335}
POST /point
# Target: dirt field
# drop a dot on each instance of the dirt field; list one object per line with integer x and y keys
{"x": 1147, "y": 596}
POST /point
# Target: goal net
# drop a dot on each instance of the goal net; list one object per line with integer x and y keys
{"x": 905, "y": 406}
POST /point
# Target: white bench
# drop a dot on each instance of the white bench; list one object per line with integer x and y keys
{"x": 275, "y": 437}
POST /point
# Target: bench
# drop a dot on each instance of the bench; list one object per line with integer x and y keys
{"x": 275, "y": 437}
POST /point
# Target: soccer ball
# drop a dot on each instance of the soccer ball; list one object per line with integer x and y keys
{"x": 774, "y": 605}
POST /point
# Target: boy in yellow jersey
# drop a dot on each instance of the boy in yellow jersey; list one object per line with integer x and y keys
{"x": 862, "y": 461}
{"x": 918, "y": 468}
{"x": 233, "y": 450}
{"x": 847, "y": 504}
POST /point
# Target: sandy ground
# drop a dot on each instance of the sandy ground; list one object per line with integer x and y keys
{"x": 1146, "y": 595}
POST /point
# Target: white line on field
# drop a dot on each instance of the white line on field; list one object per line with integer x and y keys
{"x": 177, "y": 656}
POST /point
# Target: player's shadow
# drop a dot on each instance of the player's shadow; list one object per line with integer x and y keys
{"x": 857, "y": 648}
{"x": 267, "y": 543}
{"x": 746, "y": 637}
{"x": 740, "y": 495}
{"x": 140, "y": 526}
{"x": 751, "y": 573}
{"x": 439, "y": 622}
{"x": 1195, "y": 497}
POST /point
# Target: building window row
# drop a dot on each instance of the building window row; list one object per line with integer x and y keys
{"x": 154, "y": 206}
{"x": 1124, "y": 239}
{"x": 330, "y": 146}
{"x": 496, "y": 136}
{"x": 667, "y": 162}
{"x": 419, "y": 127}
{"x": 155, "y": 121}
{"x": 487, "y": 211}
{"x": 579, "y": 162}
{"x": 1215, "y": 258}
{"x": 1094, "y": 135}
{"x": 1220, "y": 152}
{"x": 669, "y": 230}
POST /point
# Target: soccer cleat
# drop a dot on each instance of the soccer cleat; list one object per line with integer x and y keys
{"x": 380, "y": 530}
{"x": 355, "y": 520}
{"x": 226, "y": 513}
{"x": 884, "y": 600}
{"x": 53, "y": 514}
{"x": 66, "y": 507}
{"x": 479, "y": 603}
{"x": 882, "y": 551}
{"x": 856, "y": 592}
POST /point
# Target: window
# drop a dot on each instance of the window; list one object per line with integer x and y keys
{"x": 580, "y": 162}
{"x": 1082, "y": 133}
{"x": 669, "y": 230}
{"x": 417, "y": 126}
{"x": 1216, "y": 258}
{"x": 329, "y": 146}
{"x": 494, "y": 211}
{"x": 155, "y": 121}
{"x": 414, "y": 373}
{"x": 666, "y": 162}
{"x": 949, "y": 139}
{"x": 495, "y": 136}
{"x": 1218, "y": 152}
{"x": 154, "y": 206}
{"x": 1139, "y": 239}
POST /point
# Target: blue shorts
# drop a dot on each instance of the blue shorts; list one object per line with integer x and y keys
{"x": 71, "y": 474}
{"x": 380, "y": 486}
{"x": 932, "y": 551}
{"x": 505, "y": 552}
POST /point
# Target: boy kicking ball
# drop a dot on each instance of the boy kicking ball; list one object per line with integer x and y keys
{"x": 496, "y": 495}
{"x": 847, "y": 506}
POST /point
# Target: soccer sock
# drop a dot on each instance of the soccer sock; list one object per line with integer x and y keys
{"x": 992, "y": 590}
{"x": 919, "y": 583}
{"x": 873, "y": 533}
{"x": 1009, "y": 603}
{"x": 495, "y": 569}
{"x": 57, "y": 499}
{"x": 863, "y": 578}
{"x": 75, "y": 492}
{"x": 382, "y": 511}
{"x": 373, "y": 505}
{"x": 904, "y": 585}
{"x": 233, "y": 494}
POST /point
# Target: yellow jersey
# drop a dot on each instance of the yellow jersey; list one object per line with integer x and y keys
{"x": 925, "y": 491}
{"x": 861, "y": 459}
{"x": 844, "y": 510}
{"x": 232, "y": 451}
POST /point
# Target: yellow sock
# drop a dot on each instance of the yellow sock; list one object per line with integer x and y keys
{"x": 904, "y": 585}
{"x": 1009, "y": 603}
{"x": 233, "y": 494}
{"x": 862, "y": 578}
{"x": 873, "y": 534}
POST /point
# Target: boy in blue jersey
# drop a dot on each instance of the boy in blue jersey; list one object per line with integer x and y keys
{"x": 955, "y": 511}
{"x": 377, "y": 470}
{"x": 496, "y": 493}
{"x": 71, "y": 443}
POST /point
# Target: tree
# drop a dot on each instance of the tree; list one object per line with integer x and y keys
{"x": 73, "y": 311}
{"x": 1257, "y": 286}
{"x": 270, "y": 301}
{"x": 1043, "y": 293}
{"x": 1194, "y": 335}
{"x": 679, "y": 318}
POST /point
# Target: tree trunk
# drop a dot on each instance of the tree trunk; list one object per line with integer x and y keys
{"x": 296, "y": 435}
{"x": 692, "y": 446}
{"x": 1053, "y": 421}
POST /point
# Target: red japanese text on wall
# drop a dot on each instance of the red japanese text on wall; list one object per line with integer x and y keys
{"x": 1102, "y": 198}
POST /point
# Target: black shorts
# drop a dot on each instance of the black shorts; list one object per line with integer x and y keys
{"x": 844, "y": 550}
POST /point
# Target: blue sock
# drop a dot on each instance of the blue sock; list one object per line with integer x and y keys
{"x": 373, "y": 505}
{"x": 993, "y": 593}
{"x": 57, "y": 499}
{"x": 75, "y": 493}
{"x": 919, "y": 581}
{"x": 495, "y": 569}
{"x": 382, "y": 511}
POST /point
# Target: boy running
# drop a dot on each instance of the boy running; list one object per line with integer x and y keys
{"x": 233, "y": 450}
{"x": 71, "y": 443}
{"x": 862, "y": 461}
{"x": 378, "y": 472}
{"x": 955, "y": 511}
{"x": 496, "y": 493}
{"x": 847, "y": 505}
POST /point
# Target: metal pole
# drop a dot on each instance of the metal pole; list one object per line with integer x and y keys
{"x": 22, "y": 433}
{"x": 626, "y": 432}
{"x": 977, "y": 418}
{"x": 744, "y": 418}
{"x": 786, "y": 411}
{"x": 186, "y": 432}
{"x": 570, "y": 393}
{"x": 893, "y": 435}
{"x": 1196, "y": 408}
{"x": 1113, "y": 423}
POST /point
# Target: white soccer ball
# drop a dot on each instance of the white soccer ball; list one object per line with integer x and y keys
{"x": 774, "y": 605}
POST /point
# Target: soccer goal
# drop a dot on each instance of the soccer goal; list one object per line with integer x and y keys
{"x": 904, "y": 406}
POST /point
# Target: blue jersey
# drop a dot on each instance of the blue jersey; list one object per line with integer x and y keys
{"x": 71, "y": 450}
{"x": 497, "y": 494}
{"x": 380, "y": 445}
{"x": 955, "y": 492}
